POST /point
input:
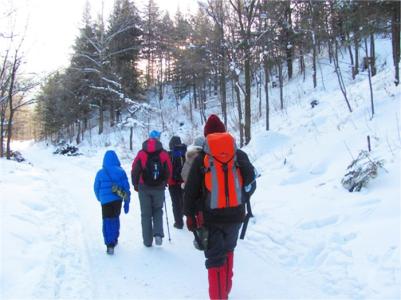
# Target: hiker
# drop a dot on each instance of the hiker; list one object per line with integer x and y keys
{"x": 192, "y": 152}
{"x": 214, "y": 197}
{"x": 177, "y": 156}
{"x": 111, "y": 188}
{"x": 150, "y": 172}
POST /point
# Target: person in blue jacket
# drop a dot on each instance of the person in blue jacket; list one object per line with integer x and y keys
{"x": 111, "y": 174}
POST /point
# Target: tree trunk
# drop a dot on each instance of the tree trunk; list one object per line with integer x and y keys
{"x": 314, "y": 50}
{"x": 356, "y": 46}
{"x": 259, "y": 91}
{"x": 161, "y": 113}
{"x": 289, "y": 46}
{"x": 370, "y": 81}
{"x": 351, "y": 57}
{"x": 223, "y": 84}
{"x": 2, "y": 120}
{"x": 161, "y": 78}
{"x": 83, "y": 130}
{"x": 280, "y": 80}
{"x": 247, "y": 70}
{"x": 101, "y": 117}
{"x": 195, "y": 95}
{"x": 10, "y": 104}
{"x": 330, "y": 47}
{"x": 215, "y": 84}
{"x": 78, "y": 140}
{"x": 71, "y": 132}
{"x": 266, "y": 71}
{"x": 9, "y": 132}
{"x": 239, "y": 108}
{"x": 112, "y": 113}
{"x": 395, "y": 37}
{"x": 314, "y": 71}
{"x": 302, "y": 63}
{"x": 372, "y": 55}
{"x": 223, "y": 97}
{"x": 339, "y": 76}
{"x": 131, "y": 136}
{"x": 190, "y": 110}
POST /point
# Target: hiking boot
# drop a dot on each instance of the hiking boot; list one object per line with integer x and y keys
{"x": 158, "y": 240}
{"x": 178, "y": 226}
{"x": 110, "y": 250}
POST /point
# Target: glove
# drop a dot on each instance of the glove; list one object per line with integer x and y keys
{"x": 126, "y": 207}
{"x": 135, "y": 188}
{"x": 191, "y": 223}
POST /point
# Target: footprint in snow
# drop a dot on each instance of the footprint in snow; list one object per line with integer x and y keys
{"x": 35, "y": 206}
{"x": 368, "y": 202}
{"x": 319, "y": 223}
{"x": 343, "y": 239}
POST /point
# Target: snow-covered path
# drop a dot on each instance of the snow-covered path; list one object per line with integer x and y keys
{"x": 63, "y": 224}
{"x": 61, "y": 253}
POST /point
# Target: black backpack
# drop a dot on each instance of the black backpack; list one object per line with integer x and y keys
{"x": 178, "y": 160}
{"x": 155, "y": 171}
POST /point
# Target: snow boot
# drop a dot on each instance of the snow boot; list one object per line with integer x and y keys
{"x": 158, "y": 240}
{"x": 217, "y": 283}
{"x": 110, "y": 250}
{"x": 178, "y": 226}
{"x": 229, "y": 270}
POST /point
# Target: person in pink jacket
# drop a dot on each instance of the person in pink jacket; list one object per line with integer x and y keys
{"x": 150, "y": 173}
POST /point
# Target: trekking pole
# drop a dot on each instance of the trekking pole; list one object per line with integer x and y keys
{"x": 249, "y": 214}
{"x": 168, "y": 227}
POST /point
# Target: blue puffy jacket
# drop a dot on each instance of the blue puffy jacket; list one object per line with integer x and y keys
{"x": 104, "y": 180}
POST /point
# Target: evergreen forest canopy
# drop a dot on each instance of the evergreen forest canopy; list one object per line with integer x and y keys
{"x": 225, "y": 44}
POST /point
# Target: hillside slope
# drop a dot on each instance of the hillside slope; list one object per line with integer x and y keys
{"x": 310, "y": 238}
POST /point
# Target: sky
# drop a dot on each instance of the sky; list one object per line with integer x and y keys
{"x": 52, "y": 25}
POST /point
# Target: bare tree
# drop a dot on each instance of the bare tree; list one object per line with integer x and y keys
{"x": 369, "y": 65}
{"x": 16, "y": 95}
{"x": 216, "y": 9}
{"x": 395, "y": 31}
{"x": 245, "y": 11}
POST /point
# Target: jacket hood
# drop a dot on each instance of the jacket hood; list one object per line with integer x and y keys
{"x": 192, "y": 151}
{"x": 110, "y": 159}
{"x": 175, "y": 140}
{"x": 152, "y": 145}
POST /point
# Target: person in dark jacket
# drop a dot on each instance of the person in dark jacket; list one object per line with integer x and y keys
{"x": 150, "y": 173}
{"x": 223, "y": 225}
{"x": 177, "y": 156}
{"x": 111, "y": 174}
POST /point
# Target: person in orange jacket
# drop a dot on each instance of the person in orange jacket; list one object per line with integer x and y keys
{"x": 203, "y": 208}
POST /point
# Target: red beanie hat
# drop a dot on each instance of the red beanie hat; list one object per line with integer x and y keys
{"x": 213, "y": 125}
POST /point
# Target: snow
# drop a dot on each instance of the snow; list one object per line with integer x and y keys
{"x": 310, "y": 238}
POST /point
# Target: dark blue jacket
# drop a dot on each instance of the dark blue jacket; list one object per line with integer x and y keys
{"x": 109, "y": 174}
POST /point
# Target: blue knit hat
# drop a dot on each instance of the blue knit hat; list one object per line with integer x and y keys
{"x": 154, "y": 134}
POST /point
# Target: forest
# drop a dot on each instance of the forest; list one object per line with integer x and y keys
{"x": 231, "y": 47}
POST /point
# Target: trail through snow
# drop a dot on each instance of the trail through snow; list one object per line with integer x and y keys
{"x": 64, "y": 222}
{"x": 310, "y": 238}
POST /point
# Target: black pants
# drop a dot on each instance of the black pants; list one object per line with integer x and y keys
{"x": 176, "y": 195}
{"x": 111, "y": 209}
{"x": 222, "y": 239}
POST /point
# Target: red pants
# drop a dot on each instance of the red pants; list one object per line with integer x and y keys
{"x": 220, "y": 279}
